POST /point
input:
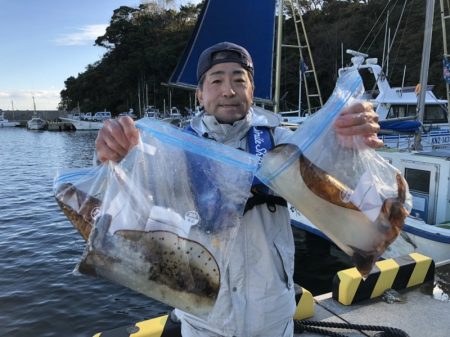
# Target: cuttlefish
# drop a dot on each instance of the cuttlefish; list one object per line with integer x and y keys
{"x": 320, "y": 197}
{"x": 78, "y": 206}
{"x": 175, "y": 270}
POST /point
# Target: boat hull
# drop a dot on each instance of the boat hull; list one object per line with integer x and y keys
{"x": 434, "y": 139}
{"x": 37, "y": 124}
{"x": 83, "y": 125}
{"x": 8, "y": 124}
{"x": 417, "y": 236}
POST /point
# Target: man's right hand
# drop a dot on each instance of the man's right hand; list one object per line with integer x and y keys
{"x": 116, "y": 138}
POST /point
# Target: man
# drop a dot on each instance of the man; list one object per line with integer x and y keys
{"x": 256, "y": 297}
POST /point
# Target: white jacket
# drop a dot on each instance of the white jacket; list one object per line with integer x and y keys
{"x": 257, "y": 296}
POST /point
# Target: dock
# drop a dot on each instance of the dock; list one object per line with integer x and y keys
{"x": 420, "y": 309}
{"x": 51, "y": 116}
{"x": 419, "y": 313}
{"x": 60, "y": 126}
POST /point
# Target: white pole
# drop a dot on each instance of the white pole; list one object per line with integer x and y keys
{"x": 139, "y": 100}
{"x": 424, "y": 68}
{"x": 276, "y": 107}
{"x": 300, "y": 89}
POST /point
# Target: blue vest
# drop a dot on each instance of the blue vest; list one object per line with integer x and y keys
{"x": 260, "y": 141}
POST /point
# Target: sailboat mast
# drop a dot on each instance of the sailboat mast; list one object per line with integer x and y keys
{"x": 444, "y": 44}
{"x": 276, "y": 107}
{"x": 429, "y": 14}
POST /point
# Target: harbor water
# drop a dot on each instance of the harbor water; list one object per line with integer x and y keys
{"x": 40, "y": 295}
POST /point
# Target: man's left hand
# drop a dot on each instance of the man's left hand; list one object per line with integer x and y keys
{"x": 359, "y": 119}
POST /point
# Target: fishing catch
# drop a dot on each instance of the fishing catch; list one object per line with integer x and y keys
{"x": 161, "y": 264}
{"x": 79, "y": 207}
{"x": 325, "y": 201}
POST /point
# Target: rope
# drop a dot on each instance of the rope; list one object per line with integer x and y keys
{"x": 313, "y": 326}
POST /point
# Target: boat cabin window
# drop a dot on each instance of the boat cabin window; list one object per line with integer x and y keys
{"x": 433, "y": 113}
{"x": 398, "y": 111}
{"x": 418, "y": 180}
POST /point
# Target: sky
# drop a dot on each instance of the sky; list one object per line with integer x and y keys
{"x": 43, "y": 42}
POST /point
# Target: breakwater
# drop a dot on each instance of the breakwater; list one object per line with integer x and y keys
{"x": 22, "y": 116}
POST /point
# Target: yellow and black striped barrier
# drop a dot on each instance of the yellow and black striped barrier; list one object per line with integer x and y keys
{"x": 163, "y": 326}
{"x": 397, "y": 273}
{"x": 305, "y": 304}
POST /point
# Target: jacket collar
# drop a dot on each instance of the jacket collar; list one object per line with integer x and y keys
{"x": 207, "y": 125}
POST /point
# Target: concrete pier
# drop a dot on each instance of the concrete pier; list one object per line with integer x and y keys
{"x": 51, "y": 116}
{"x": 423, "y": 310}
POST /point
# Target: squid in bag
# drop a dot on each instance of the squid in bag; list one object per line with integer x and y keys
{"x": 168, "y": 214}
{"x": 343, "y": 187}
{"x": 79, "y": 193}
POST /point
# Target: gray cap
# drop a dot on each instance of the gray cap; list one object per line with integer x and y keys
{"x": 223, "y": 52}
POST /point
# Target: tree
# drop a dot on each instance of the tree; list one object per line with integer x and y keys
{"x": 143, "y": 47}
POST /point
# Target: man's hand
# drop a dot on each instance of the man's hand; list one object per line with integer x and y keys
{"x": 359, "y": 119}
{"x": 116, "y": 138}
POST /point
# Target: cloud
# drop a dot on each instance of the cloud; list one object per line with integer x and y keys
{"x": 23, "y": 99}
{"x": 85, "y": 35}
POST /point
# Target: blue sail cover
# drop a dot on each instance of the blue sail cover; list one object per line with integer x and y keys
{"x": 400, "y": 126}
{"x": 249, "y": 23}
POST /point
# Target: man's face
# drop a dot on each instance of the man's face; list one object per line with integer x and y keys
{"x": 227, "y": 92}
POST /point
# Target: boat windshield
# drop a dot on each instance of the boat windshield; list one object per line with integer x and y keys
{"x": 433, "y": 113}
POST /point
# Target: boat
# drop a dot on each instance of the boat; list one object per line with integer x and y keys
{"x": 80, "y": 124}
{"x": 427, "y": 170}
{"x": 129, "y": 113}
{"x": 6, "y": 123}
{"x": 152, "y": 112}
{"x": 36, "y": 123}
{"x": 87, "y": 121}
{"x": 397, "y": 108}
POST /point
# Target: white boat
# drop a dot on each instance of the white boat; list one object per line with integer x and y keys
{"x": 427, "y": 229}
{"x": 129, "y": 113}
{"x": 80, "y": 124}
{"x": 6, "y": 123}
{"x": 36, "y": 123}
{"x": 87, "y": 121}
{"x": 397, "y": 108}
{"x": 152, "y": 112}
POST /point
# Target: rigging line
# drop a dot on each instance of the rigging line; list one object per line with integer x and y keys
{"x": 373, "y": 26}
{"x": 379, "y": 30}
{"x": 396, "y": 31}
{"x": 390, "y": 46}
{"x": 401, "y": 39}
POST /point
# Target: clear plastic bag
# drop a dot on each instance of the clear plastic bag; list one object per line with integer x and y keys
{"x": 342, "y": 186}
{"x": 168, "y": 215}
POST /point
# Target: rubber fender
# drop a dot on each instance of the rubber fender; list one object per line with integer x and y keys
{"x": 397, "y": 273}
